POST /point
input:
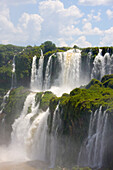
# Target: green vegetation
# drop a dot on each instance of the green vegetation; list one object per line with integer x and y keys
{"x": 78, "y": 105}
{"x": 44, "y": 99}
{"x": 24, "y": 56}
{"x": 7, "y": 53}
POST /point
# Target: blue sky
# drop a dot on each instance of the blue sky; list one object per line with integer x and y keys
{"x": 64, "y": 22}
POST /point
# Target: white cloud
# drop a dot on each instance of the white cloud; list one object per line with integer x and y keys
{"x": 92, "y": 17}
{"x": 4, "y": 10}
{"x": 107, "y": 39}
{"x": 27, "y": 30}
{"x": 70, "y": 31}
{"x": 97, "y": 17}
{"x": 30, "y": 26}
{"x": 62, "y": 43}
{"x": 96, "y": 2}
{"x": 109, "y": 13}
{"x": 88, "y": 30}
{"x": 18, "y": 2}
{"x": 58, "y": 21}
{"x": 81, "y": 42}
{"x": 55, "y": 8}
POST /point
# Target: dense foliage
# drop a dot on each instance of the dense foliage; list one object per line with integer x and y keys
{"x": 7, "y": 53}
{"x": 79, "y": 104}
{"x": 24, "y": 56}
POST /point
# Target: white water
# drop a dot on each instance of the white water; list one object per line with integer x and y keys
{"x": 68, "y": 78}
{"x": 47, "y": 81}
{"x": 37, "y": 74}
{"x": 13, "y": 81}
{"x": 40, "y": 73}
{"x": 4, "y": 101}
{"x": 102, "y": 65}
{"x": 37, "y": 138}
{"x": 70, "y": 68}
{"x": 33, "y": 73}
{"x": 53, "y": 145}
{"x": 92, "y": 151}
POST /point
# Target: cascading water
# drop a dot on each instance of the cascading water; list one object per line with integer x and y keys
{"x": 13, "y": 81}
{"x": 71, "y": 71}
{"x": 70, "y": 68}
{"x": 102, "y": 65}
{"x": 4, "y": 101}
{"x": 22, "y": 124}
{"x": 68, "y": 77}
{"x": 40, "y": 72}
{"x": 47, "y": 81}
{"x": 37, "y": 137}
{"x": 33, "y": 73}
{"x": 92, "y": 151}
{"x": 53, "y": 138}
{"x": 37, "y": 74}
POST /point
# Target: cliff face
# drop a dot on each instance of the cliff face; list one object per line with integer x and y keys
{"x": 75, "y": 111}
{"x": 69, "y": 115}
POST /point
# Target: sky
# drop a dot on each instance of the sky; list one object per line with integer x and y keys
{"x": 83, "y": 23}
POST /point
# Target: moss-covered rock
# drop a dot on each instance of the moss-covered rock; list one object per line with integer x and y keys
{"x": 76, "y": 107}
{"x": 106, "y": 77}
{"x": 94, "y": 82}
{"x": 45, "y": 100}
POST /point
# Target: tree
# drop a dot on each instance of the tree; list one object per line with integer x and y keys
{"x": 48, "y": 46}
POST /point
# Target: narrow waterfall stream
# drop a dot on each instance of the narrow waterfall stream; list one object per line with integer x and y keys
{"x": 92, "y": 150}
{"x": 13, "y": 84}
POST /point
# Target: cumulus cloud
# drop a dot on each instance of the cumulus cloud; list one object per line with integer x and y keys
{"x": 70, "y": 31}
{"x": 88, "y": 30}
{"x": 18, "y": 2}
{"x": 92, "y": 17}
{"x": 109, "y": 13}
{"x": 107, "y": 39}
{"x": 81, "y": 42}
{"x": 96, "y": 2}
{"x": 57, "y": 18}
{"x": 30, "y": 26}
{"x": 61, "y": 42}
{"x": 27, "y": 30}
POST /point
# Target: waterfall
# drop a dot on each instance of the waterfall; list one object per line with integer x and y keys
{"x": 47, "y": 81}
{"x": 102, "y": 65}
{"x": 70, "y": 68}
{"x": 53, "y": 137}
{"x": 33, "y": 73}
{"x": 37, "y": 74}
{"x": 29, "y": 133}
{"x": 68, "y": 77}
{"x": 70, "y": 71}
{"x": 40, "y": 72}
{"x": 21, "y": 126}
{"x": 92, "y": 150}
{"x": 4, "y": 101}
{"x": 13, "y": 81}
{"x": 37, "y": 137}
